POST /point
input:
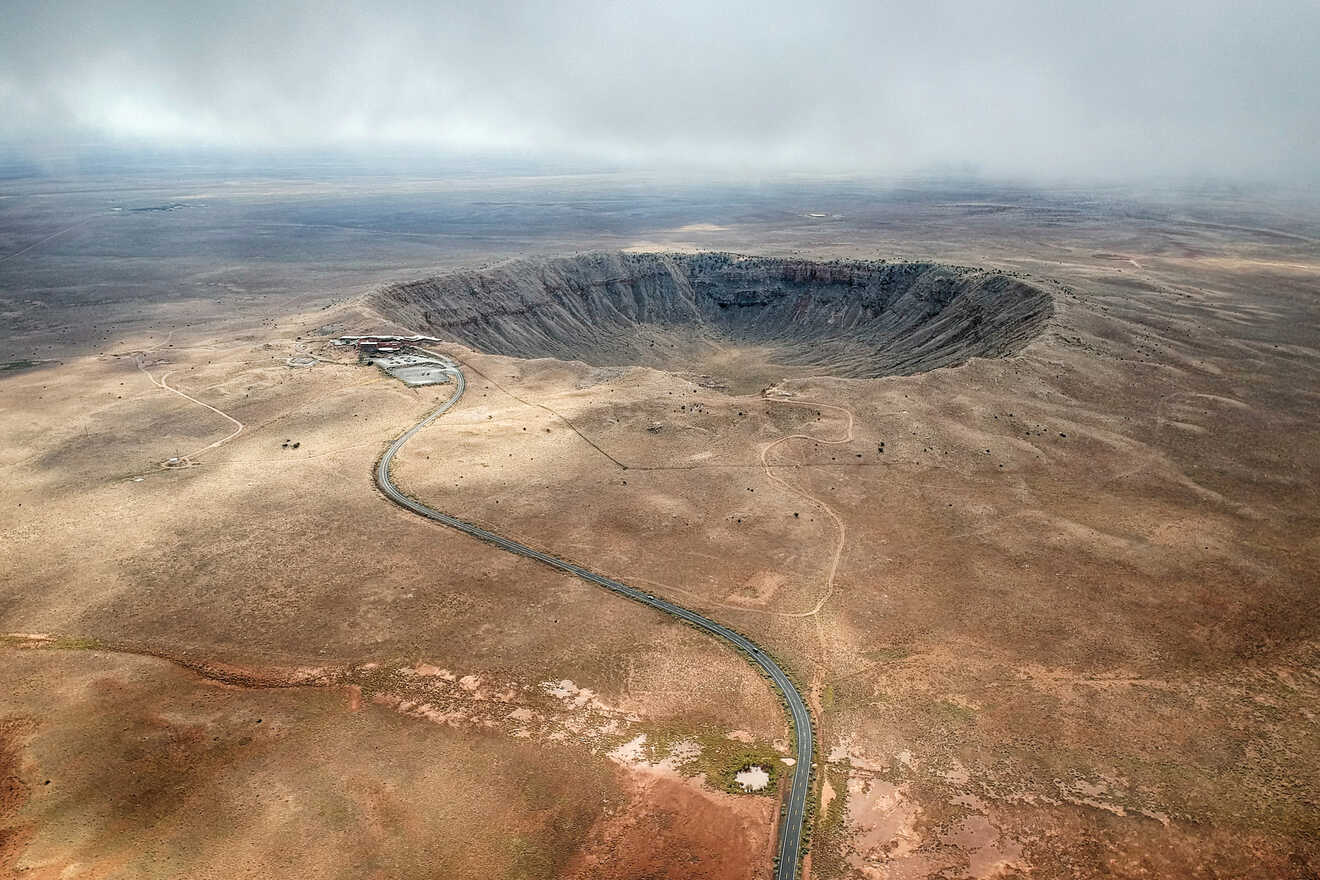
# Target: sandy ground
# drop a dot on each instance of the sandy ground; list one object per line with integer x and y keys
{"x": 1072, "y": 631}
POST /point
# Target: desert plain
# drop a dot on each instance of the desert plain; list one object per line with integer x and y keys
{"x": 1052, "y": 594}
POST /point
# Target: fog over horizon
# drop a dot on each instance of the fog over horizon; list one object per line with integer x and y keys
{"x": 1026, "y": 89}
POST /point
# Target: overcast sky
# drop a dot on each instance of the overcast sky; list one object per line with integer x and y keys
{"x": 1108, "y": 87}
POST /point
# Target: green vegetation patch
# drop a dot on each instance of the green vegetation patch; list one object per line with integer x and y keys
{"x": 76, "y": 643}
{"x": 832, "y": 836}
{"x": 720, "y": 758}
{"x": 887, "y": 654}
{"x": 60, "y": 643}
{"x": 15, "y": 366}
{"x": 528, "y": 860}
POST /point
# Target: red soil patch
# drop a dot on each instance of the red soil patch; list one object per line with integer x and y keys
{"x": 13, "y": 794}
{"x": 671, "y": 827}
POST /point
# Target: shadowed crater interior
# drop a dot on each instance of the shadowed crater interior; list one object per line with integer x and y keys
{"x": 743, "y": 321}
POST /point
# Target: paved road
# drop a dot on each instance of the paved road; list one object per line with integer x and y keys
{"x": 790, "y": 831}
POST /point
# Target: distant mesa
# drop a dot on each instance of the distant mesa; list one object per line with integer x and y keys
{"x": 710, "y": 312}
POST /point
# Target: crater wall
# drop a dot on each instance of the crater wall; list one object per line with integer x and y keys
{"x": 852, "y": 319}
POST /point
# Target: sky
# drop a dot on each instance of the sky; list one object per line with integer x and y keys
{"x": 1065, "y": 89}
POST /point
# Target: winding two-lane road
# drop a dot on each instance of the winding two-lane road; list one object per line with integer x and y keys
{"x": 790, "y": 830}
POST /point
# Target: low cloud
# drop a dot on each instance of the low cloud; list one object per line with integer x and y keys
{"x": 1025, "y": 88}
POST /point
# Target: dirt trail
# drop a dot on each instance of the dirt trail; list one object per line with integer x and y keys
{"x": 817, "y": 678}
{"x": 39, "y": 242}
{"x": 187, "y": 460}
{"x": 766, "y": 468}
